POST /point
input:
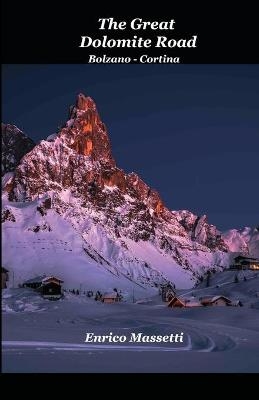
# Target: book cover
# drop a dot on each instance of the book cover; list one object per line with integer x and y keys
{"x": 130, "y": 230}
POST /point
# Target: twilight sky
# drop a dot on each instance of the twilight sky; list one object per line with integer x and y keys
{"x": 190, "y": 131}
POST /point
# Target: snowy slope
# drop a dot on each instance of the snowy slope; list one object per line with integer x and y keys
{"x": 44, "y": 336}
{"x": 81, "y": 252}
{"x": 34, "y": 244}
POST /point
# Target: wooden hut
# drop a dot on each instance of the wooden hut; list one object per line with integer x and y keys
{"x": 215, "y": 301}
{"x": 50, "y": 287}
{"x": 244, "y": 263}
{"x": 112, "y": 297}
{"x": 181, "y": 302}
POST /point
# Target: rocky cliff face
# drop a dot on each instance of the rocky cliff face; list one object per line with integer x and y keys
{"x": 15, "y": 144}
{"x": 243, "y": 241}
{"x": 74, "y": 171}
{"x": 200, "y": 231}
{"x": 80, "y": 159}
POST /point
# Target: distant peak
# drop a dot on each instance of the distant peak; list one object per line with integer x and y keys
{"x": 15, "y": 144}
{"x": 12, "y": 128}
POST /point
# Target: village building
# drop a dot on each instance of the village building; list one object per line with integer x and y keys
{"x": 34, "y": 283}
{"x": 50, "y": 287}
{"x": 184, "y": 302}
{"x": 245, "y": 263}
{"x": 167, "y": 292}
{"x": 4, "y": 278}
{"x": 215, "y": 301}
{"x": 205, "y": 301}
{"x": 112, "y": 297}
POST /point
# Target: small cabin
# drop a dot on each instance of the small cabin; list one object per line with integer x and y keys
{"x": 181, "y": 302}
{"x": 49, "y": 287}
{"x": 167, "y": 292}
{"x": 113, "y": 297}
{"x": 215, "y": 301}
{"x": 51, "y": 291}
{"x": 205, "y": 301}
{"x": 176, "y": 302}
{"x": 244, "y": 263}
{"x": 5, "y": 277}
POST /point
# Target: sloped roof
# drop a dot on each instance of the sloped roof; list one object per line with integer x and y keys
{"x": 37, "y": 279}
{"x": 112, "y": 295}
{"x": 221, "y": 297}
{"x": 47, "y": 278}
{"x": 212, "y": 299}
{"x": 245, "y": 258}
{"x": 4, "y": 269}
{"x": 41, "y": 279}
{"x": 174, "y": 299}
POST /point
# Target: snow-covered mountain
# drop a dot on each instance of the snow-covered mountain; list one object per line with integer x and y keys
{"x": 69, "y": 209}
{"x": 15, "y": 144}
{"x": 245, "y": 241}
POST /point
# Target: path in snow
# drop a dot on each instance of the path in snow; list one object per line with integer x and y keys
{"x": 216, "y": 339}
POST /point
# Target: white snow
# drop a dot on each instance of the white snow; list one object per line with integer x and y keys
{"x": 244, "y": 241}
{"x": 52, "y": 137}
{"x": 48, "y": 336}
{"x": 6, "y": 178}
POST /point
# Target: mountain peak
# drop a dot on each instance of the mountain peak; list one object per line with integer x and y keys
{"x": 114, "y": 219}
{"x": 85, "y": 133}
{"x": 85, "y": 103}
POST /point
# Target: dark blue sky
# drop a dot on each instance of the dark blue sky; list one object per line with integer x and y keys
{"x": 190, "y": 131}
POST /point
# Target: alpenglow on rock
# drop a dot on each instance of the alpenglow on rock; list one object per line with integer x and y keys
{"x": 113, "y": 221}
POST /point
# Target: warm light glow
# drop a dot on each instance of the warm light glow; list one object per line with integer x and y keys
{"x": 87, "y": 127}
{"x": 159, "y": 207}
{"x": 88, "y": 148}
